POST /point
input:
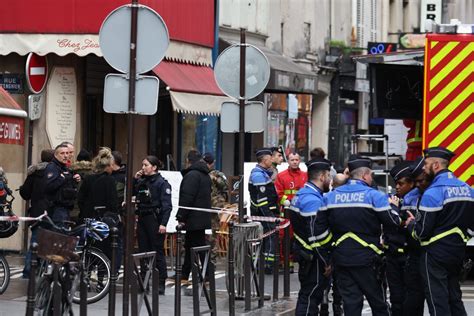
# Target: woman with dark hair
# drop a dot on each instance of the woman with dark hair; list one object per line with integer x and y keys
{"x": 97, "y": 196}
{"x": 153, "y": 198}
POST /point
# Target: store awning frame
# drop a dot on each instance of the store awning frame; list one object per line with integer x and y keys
{"x": 8, "y": 105}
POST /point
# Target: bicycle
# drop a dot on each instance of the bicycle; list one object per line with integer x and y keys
{"x": 66, "y": 264}
{"x": 7, "y": 229}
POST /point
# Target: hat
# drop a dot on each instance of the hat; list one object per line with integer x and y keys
{"x": 84, "y": 155}
{"x": 401, "y": 170}
{"x": 438, "y": 152}
{"x": 319, "y": 164}
{"x": 417, "y": 167}
{"x": 279, "y": 149}
{"x": 263, "y": 151}
{"x": 356, "y": 161}
{"x": 208, "y": 157}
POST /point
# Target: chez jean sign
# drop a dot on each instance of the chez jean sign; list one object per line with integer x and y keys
{"x": 84, "y": 44}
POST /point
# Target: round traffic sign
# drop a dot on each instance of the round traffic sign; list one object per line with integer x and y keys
{"x": 227, "y": 71}
{"x": 36, "y": 72}
{"x": 152, "y": 38}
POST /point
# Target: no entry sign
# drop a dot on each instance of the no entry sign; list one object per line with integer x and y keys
{"x": 36, "y": 72}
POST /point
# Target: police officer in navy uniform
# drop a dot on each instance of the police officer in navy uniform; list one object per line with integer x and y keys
{"x": 264, "y": 200}
{"x": 61, "y": 185}
{"x": 414, "y": 302}
{"x": 395, "y": 239}
{"x": 354, "y": 214}
{"x": 444, "y": 223}
{"x": 314, "y": 266}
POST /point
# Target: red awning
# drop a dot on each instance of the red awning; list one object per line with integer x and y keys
{"x": 8, "y": 105}
{"x": 188, "y": 78}
{"x": 193, "y": 89}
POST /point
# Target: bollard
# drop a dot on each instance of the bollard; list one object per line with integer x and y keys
{"x": 231, "y": 274}
{"x": 154, "y": 291}
{"x": 114, "y": 274}
{"x": 212, "y": 287}
{"x": 30, "y": 302}
{"x": 261, "y": 275}
{"x": 276, "y": 239}
{"x": 286, "y": 254}
{"x": 177, "y": 278}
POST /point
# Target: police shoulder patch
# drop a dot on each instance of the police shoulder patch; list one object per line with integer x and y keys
{"x": 168, "y": 191}
{"x": 50, "y": 175}
{"x": 262, "y": 188}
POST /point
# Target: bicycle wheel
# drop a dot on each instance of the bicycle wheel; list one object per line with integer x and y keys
{"x": 4, "y": 274}
{"x": 97, "y": 276}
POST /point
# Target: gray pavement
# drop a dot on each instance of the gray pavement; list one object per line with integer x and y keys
{"x": 13, "y": 301}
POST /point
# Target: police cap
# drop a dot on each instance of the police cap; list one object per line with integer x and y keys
{"x": 263, "y": 151}
{"x": 318, "y": 164}
{"x": 438, "y": 152}
{"x": 278, "y": 149}
{"x": 417, "y": 167}
{"x": 401, "y": 170}
{"x": 356, "y": 161}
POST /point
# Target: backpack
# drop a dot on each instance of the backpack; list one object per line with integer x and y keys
{"x": 4, "y": 190}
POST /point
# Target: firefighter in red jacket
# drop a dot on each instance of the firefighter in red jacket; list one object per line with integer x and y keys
{"x": 414, "y": 140}
{"x": 287, "y": 184}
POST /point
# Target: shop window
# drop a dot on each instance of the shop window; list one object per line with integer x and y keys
{"x": 199, "y": 132}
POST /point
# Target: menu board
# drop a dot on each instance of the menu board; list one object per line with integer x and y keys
{"x": 61, "y": 105}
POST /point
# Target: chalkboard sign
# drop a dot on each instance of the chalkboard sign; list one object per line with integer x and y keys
{"x": 396, "y": 91}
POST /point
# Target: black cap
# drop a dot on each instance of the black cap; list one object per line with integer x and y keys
{"x": 356, "y": 161}
{"x": 438, "y": 152}
{"x": 263, "y": 151}
{"x": 208, "y": 157}
{"x": 279, "y": 149}
{"x": 417, "y": 167}
{"x": 401, "y": 170}
{"x": 319, "y": 164}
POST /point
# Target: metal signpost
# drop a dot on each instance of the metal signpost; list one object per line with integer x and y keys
{"x": 133, "y": 39}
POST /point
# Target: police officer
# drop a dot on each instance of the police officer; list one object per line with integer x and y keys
{"x": 414, "y": 302}
{"x": 153, "y": 197}
{"x": 395, "y": 239}
{"x": 263, "y": 200}
{"x": 61, "y": 185}
{"x": 354, "y": 213}
{"x": 314, "y": 268}
{"x": 443, "y": 225}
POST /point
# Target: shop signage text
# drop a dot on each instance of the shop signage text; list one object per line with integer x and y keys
{"x": 13, "y": 83}
{"x": 78, "y": 45}
{"x": 12, "y": 130}
{"x": 430, "y": 10}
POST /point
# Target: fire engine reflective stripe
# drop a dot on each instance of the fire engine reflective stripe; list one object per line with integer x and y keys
{"x": 359, "y": 240}
{"x": 283, "y": 199}
{"x": 417, "y": 136}
{"x": 455, "y": 230}
{"x": 259, "y": 204}
{"x": 288, "y": 192}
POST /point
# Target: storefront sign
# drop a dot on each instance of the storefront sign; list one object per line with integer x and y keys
{"x": 292, "y": 82}
{"x": 410, "y": 41}
{"x": 61, "y": 106}
{"x": 12, "y": 130}
{"x": 13, "y": 83}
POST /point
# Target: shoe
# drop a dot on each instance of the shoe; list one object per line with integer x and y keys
{"x": 268, "y": 271}
{"x": 185, "y": 282}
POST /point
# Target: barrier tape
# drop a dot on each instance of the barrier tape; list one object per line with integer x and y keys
{"x": 22, "y": 218}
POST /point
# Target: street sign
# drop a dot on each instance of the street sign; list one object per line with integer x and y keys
{"x": 227, "y": 71}
{"x": 152, "y": 39}
{"x": 116, "y": 94}
{"x": 35, "y": 106}
{"x": 36, "y": 72}
{"x": 254, "y": 117}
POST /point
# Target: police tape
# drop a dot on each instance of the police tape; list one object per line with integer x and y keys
{"x": 14, "y": 218}
{"x": 235, "y": 213}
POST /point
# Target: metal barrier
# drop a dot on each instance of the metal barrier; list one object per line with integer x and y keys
{"x": 231, "y": 274}
{"x": 177, "y": 278}
{"x": 276, "y": 265}
{"x": 114, "y": 274}
{"x": 202, "y": 271}
{"x": 286, "y": 257}
{"x": 30, "y": 301}
{"x": 255, "y": 264}
{"x": 141, "y": 283}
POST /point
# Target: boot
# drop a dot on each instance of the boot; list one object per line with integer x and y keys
{"x": 161, "y": 287}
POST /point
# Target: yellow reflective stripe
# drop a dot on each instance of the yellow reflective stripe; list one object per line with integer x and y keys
{"x": 283, "y": 199}
{"x": 417, "y": 137}
{"x": 455, "y": 230}
{"x": 359, "y": 240}
{"x": 323, "y": 242}
{"x": 259, "y": 204}
{"x": 400, "y": 250}
{"x": 414, "y": 139}
{"x": 302, "y": 242}
{"x": 288, "y": 192}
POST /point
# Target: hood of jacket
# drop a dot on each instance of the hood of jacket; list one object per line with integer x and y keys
{"x": 81, "y": 165}
{"x": 38, "y": 167}
{"x": 200, "y": 166}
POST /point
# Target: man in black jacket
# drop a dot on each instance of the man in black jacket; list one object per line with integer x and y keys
{"x": 33, "y": 190}
{"x": 195, "y": 191}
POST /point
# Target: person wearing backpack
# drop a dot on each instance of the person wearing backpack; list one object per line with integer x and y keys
{"x": 153, "y": 198}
